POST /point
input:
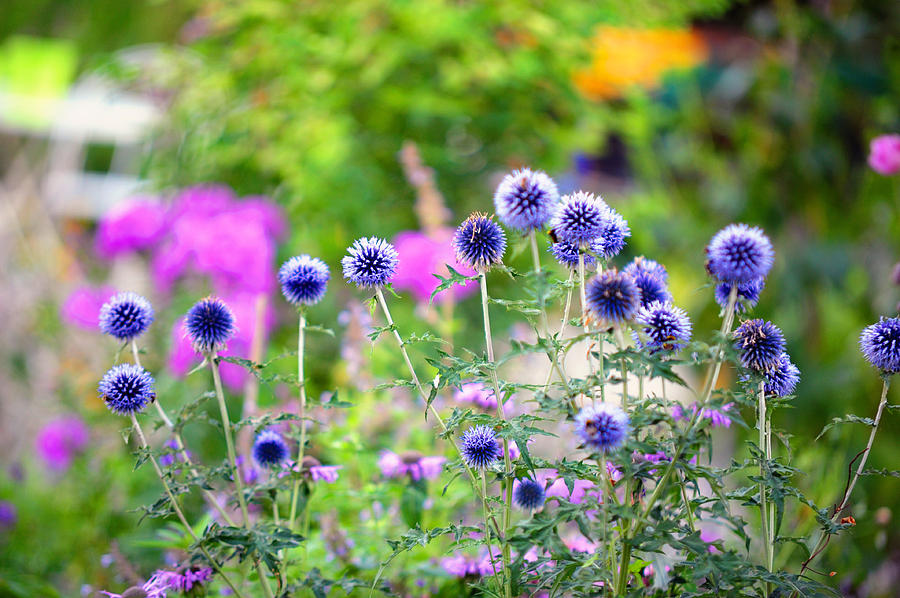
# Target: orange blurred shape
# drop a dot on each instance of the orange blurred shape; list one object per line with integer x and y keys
{"x": 623, "y": 57}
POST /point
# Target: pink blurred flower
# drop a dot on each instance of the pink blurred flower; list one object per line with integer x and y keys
{"x": 135, "y": 224}
{"x": 884, "y": 154}
{"x": 325, "y": 473}
{"x": 82, "y": 307}
{"x": 578, "y": 543}
{"x": 422, "y": 256}
{"x": 479, "y": 395}
{"x": 559, "y": 489}
{"x": 718, "y": 417}
{"x": 60, "y": 441}
{"x": 460, "y": 565}
{"x": 410, "y": 463}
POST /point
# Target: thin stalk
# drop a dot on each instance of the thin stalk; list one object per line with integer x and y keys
{"x": 587, "y": 328}
{"x": 608, "y": 541}
{"x": 562, "y": 328}
{"x": 545, "y": 325}
{"x": 823, "y": 539}
{"x": 179, "y": 444}
{"x": 275, "y": 509}
{"x": 487, "y": 530}
{"x": 507, "y": 465}
{"x": 763, "y": 466}
{"x": 301, "y": 383}
{"x": 623, "y": 367}
{"x": 773, "y": 533}
{"x": 177, "y": 507}
{"x": 232, "y": 460}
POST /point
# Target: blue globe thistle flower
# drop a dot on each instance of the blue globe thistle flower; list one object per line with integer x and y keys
{"x": 782, "y": 378}
{"x": 739, "y": 253}
{"x": 479, "y": 447}
{"x": 880, "y": 344}
{"x": 567, "y": 253}
{"x": 642, "y": 265}
{"x": 613, "y": 296}
{"x": 370, "y": 262}
{"x": 270, "y": 449}
{"x": 126, "y": 388}
{"x": 613, "y": 233}
{"x": 580, "y": 218}
{"x": 525, "y": 199}
{"x": 479, "y": 242}
{"x": 747, "y": 294}
{"x": 126, "y": 316}
{"x": 209, "y": 324}
{"x": 667, "y": 327}
{"x": 760, "y": 343}
{"x": 528, "y": 494}
{"x": 303, "y": 279}
{"x": 652, "y": 288}
{"x": 603, "y": 428}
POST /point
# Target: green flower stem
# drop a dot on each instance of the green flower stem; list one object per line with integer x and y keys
{"x": 177, "y": 507}
{"x": 487, "y": 530}
{"x": 763, "y": 466}
{"x": 562, "y": 329}
{"x": 232, "y": 460}
{"x": 823, "y": 538}
{"x": 587, "y": 328}
{"x": 507, "y": 465}
{"x": 301, "y": 383}
{"x": 179, "y": 444}
{"x": 623, "y": 366}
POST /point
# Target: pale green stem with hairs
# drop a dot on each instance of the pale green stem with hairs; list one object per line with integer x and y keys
{"x": 763, "y": 465}
{"x": 179, "y": 444}
{"x": 232, "y": 460}
{"x": 562, "y": 329}
{"x": 177, "y": 508}
{"x": 301, "y": 384}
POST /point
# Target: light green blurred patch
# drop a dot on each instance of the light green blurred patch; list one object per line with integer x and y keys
{"x": 34, "y": 75}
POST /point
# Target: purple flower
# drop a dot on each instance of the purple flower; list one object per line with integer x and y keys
{"x": 415, "y": 465}
{"x": 580, "y": 218}
{"x": 8, "y": 515}
{"x": 370, "y": 262}
{"x": 424, "y": 255}
{"x": 303, "y": 279}
{"x": 465, "y": 566}
{"x": 603, "y": 427}
{"x": 209, "y": 324}
{"x": 747, "y": 294}
{"x": 559, "y": 489}
{"x": 168, "y": 459}
{"x": 666, "y": 327}
{"x": 134, "y": 224}
{"x": 528, "y": 494}
{"x": 760, "y": 344}
{"x": 567, "y": 253}
{"x": 782, "y": 379}
{"x": 479, "y": 447}
{"x": 479, "y": 242}
{"x": 325, "y": 473}
{"x": 880, "y": 344}
{"x": 480, "y": 395}
{"x": 884, "y": 154}
{"x": 642, "y": 265}
{"x": 718, "y": 417}
{"x": 60, "y": 440}
{"x": 613, "y": 233}
{"x": 612, "y": 296}
{"x": 739, "y": 253}
{"x": 125, "y": 316}
{"x": 525, "y": 199}
{"x": 82, "y": 307}
{"x": 269, "y": 449}
{"x": 126, "y": 389}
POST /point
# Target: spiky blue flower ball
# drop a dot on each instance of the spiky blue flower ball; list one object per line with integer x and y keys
{"x": 613, "y": 296}
{"x": 209, "y": 324}
{"x": 303, "y": 279}
{"x": 602, "y": 428}
{"x": 613, "y": 232}
{"x": 479, "y": 447}
{"x": 652, "y": 288}
{"x": 782, "y": 378}
{"x": 880, "y": 344}
{"x": 740, "y": 253}
{"x": 528, "y": 494}
{"x": 760, "y": 344}
{"x": 579, "y": 218}
{"x": 479, "y": 242}
{"x": 525, "y": 199}
{"x": 126, "y": 388}
{"x": 126, "y": 316}
{"x": 667, "y": 328}
{"x": 370, "y": 262}
{"x": 270, "y": 449}
{"x": 642, "y": 265}
{"x": 567, "y": 253}
{"x": 747, "y": 294}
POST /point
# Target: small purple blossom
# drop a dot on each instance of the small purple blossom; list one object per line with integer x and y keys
{"x": 613, "y": 233}
{"x": 567, "y": 253}
{"x": 412, "y": 464}
{"x": 717, "y": 417}
{"x": 526, "y": 199}
{"x": 460, "y": 565}
{"x": 612, "y": 296}
{"x": 880, "y": 344}
{"x": 370, "y": 262}
{"x": 580, "y": 218}
{"x": 782, "y": 379}
{"x": 209, "y": 324}
{"x": 667, "y": 328}
{"x": 528, "y": 494}
{"x": 642, "y": 265}
{"x": 603, "y": 427}
{"x": 60, "y": 440}
{"x": 479, "y": 395}
{"x": 760, "y": 344}
{"x": 739, "y": 253}
{"x": 126, "y": 316}
{"x": 8, "y": 514}
{"x": 303, "y": 280}
{"x": 747, "y": 294}
{"x": 126, "y": 389}
{"x": 270, "y": 449}
{"x": 884, "y": 154}
{"x": 479, "y": 447}
{"x": 479, "y": 242}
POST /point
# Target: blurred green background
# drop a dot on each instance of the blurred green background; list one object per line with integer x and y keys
{"x": 685, "y": 115}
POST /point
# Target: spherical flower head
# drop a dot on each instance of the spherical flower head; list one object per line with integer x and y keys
{"x": 567, "y": 253}
{"x": 642, "y": 265}
{"x": 602, "y": 428}
{"x": 613, "y": 296}
{"x": 880, "y": 344}
{"x": 747, "y": 294}
{"x": 209, "y": 324}
{"x": 666, "y": 327}
{"x": 525, "y": 199}
{"x": 370, "y": 262}
{"x": 580, "y": 218}
{"x": 653, "y": 289}
{"x": 479, "y": 242}
{"x": 760, "y": 344}
{"x": 270, "y": 449}
{"x": 126, "y": 389}
{"x": 528, "y": 494}
{"x": 479, "y": 447}
{"x": 303, "y": 280}
{"x": 126, "y": 316}
{"x": 884, "y": 154}
{"x": 782, "y": 378}
{"x": 613, "y": 233}
{"x": 740, "y": 253}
